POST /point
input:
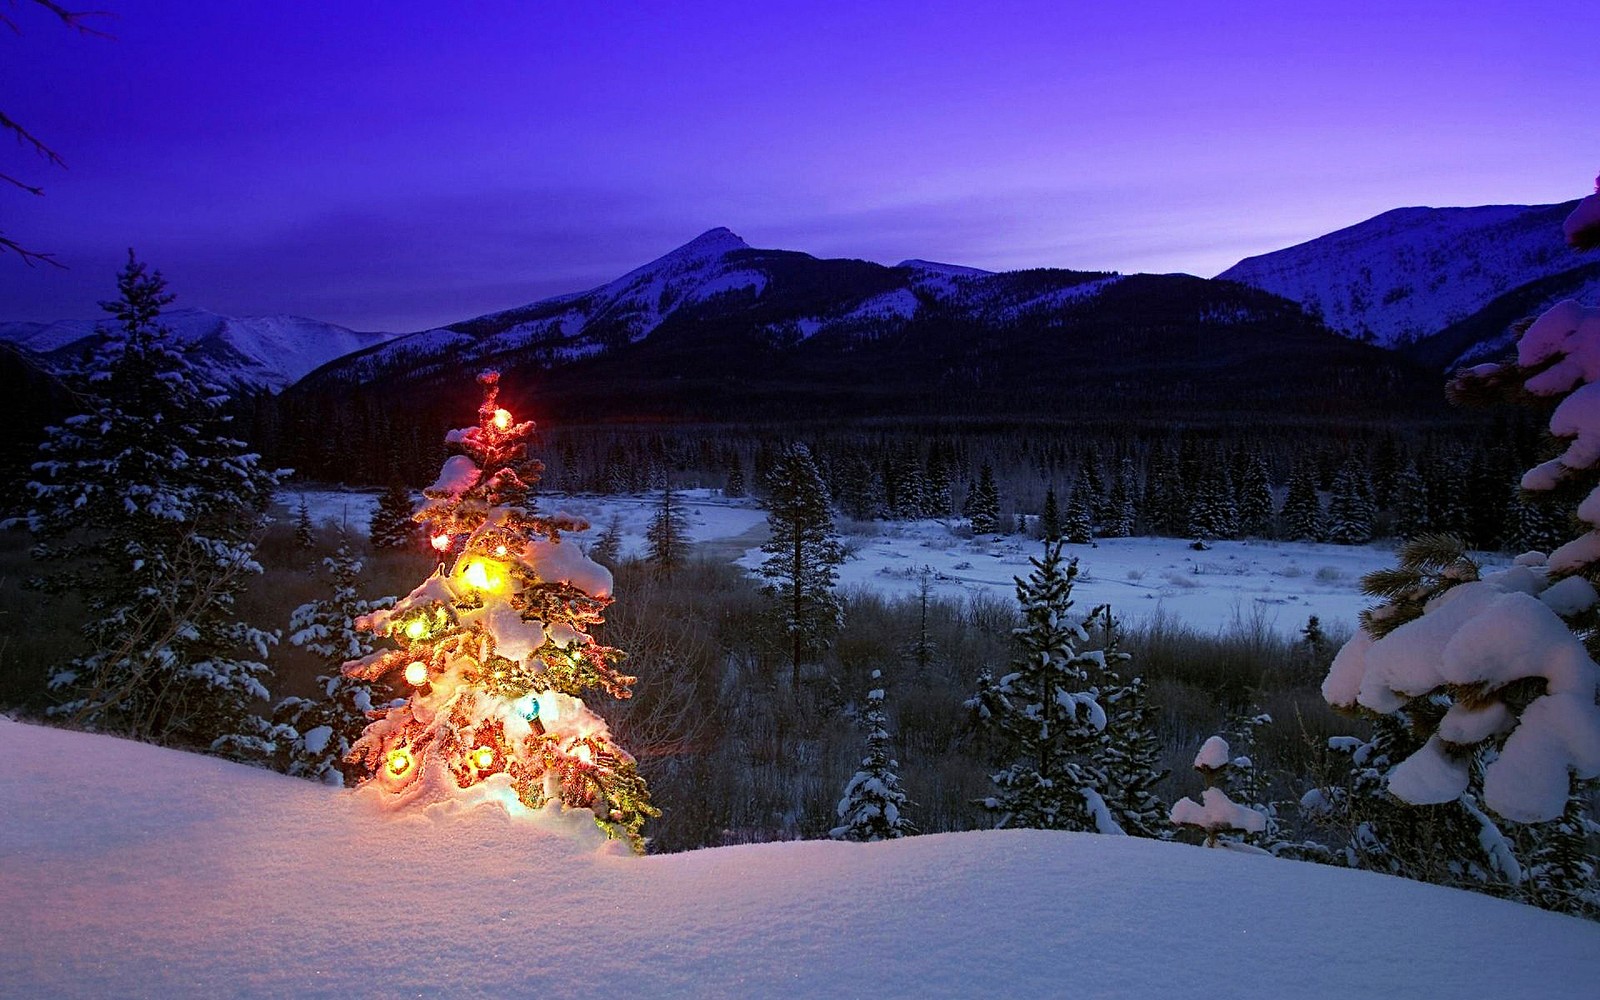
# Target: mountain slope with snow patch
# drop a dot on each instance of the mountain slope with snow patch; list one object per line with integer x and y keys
{"x": 251, "y": 352}
{"x": 1410, "y": 273}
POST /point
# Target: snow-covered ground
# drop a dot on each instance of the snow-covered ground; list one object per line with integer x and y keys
{"x": 1142, "y": 578}
{"x": 134, "y": 871}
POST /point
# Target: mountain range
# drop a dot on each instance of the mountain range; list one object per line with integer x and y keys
{"x": 718, "y": 329}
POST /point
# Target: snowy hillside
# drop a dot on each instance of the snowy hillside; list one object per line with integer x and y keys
{"x": 1412, "y": 272}
{"x": 268, "y": 352}
{"x": 138, "y": 871}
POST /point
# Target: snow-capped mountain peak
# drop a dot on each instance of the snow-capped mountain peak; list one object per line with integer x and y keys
{"x": 250, "y": 352}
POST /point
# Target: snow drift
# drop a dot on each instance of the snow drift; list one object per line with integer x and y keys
{"x": 131, "y": 870}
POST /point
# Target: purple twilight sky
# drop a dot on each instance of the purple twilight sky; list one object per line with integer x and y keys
{"x": 399, "y": 165}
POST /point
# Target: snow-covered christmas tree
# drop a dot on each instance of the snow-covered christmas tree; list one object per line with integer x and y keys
{"x": 497, "y": 650}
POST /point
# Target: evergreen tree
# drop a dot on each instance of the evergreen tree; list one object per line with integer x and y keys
{"x": 1483, "y": 689}
{"x": 1043, "y": 716}
{"x": 1212, "y": 513}
{"x": 1050, "y": 518}
{"x": 921, "y": 650}
{"x": 735, "y": 487}
{"x": 873, "y": 806}
{"x": 938, "y": 502}
{"x": 1077, "y": 526}
{"x": 305, "y": 533}
{"x": 1410, "y": 503}
{"x": 497, "y": 649}
{"x": 1350, "y": 508}
{"x": 667, "y": 537}
{"x": 1302, "y": 509}
{"x": 146, "y": 508}
{"x": 983, "y": 503}
{"x": 391, "y": 526}
{"x": 1129, "y": 752}
{"x": 1165, "y": 512}
{"x": 315, "y": 735}
{"x": 1536, "y": 522}
{"x": 607, "y": 550}
{"x": 802, "y": 555}
{"x": 1255, "y": 498}
{"x": 1121, "y": 511}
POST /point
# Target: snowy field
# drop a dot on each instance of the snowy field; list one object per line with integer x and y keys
{"x": 135, "y": 871}
{"x": 1142, "y": 578}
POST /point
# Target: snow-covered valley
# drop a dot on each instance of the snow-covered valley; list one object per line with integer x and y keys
{"x": 1280, "y": 584}
{"x": 135, "y": 871}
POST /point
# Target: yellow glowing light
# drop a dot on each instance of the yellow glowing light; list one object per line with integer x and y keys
{"x": 416, "y": 628}
{"x": 499, "y": 550}
{"x": 502, "y": 419}
{"x": 583, "y": 753}
{"x": 416, "y": 673}
{"x": 482, "y": 758}
{"x": 483, "y": 575}
{"x": 441, "y": 542}
{"x": 399, "y": 762}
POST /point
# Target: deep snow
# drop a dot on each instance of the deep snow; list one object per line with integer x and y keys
{"x": 130, "y": 870}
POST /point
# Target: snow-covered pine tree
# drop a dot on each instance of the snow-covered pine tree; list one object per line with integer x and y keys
{"x": 147, "y": 510}
{"x": 1350, "y": 507}
{"x": 1255, "y": 498}
{"x": 873, "y": 806}
{"x": 1302, "y": 508}
{"x": 1224, "y": 822}
{"x": 1165, "y": 507}
{"x": 305, "y": 533}
{"x": 1121, "y": 509}
{"x": 391, "y": 526}
{"x": 496, "y": 648}
{"x": 938, "y": 498}
{"x": 667, "y": 537}
{"x": 1077, "y": 524}
{"x": 1050, "y": 517}
{"x": 982, "y": 507}
{"x": 735, "y": 486}
{"x": 1485, "y": 686}
{"x": 315, "y": 734}
{"x": 1129, "y": 751}
{"x": 1410, "y": 502}
{"x": 1043, "y": 717}
{"x": 1211, "y": 512}
{"x": 803, "y": 554}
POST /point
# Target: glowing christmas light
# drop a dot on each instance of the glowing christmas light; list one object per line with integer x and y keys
{"x": 416, "y": 628}
{"x": 441, "y": 542}
{"x": 583, "y": 752}
{"x": 482, "y": 757}
{"x": 416, "y": 673}
{"x": 399, "y": 762}
{"x": 499, "y": 550}
{"x": 527, "y": 706}
{"x": 502, "y": 419}
{"x": 482, "y": 574}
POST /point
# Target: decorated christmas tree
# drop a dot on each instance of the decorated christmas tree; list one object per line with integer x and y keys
{"x": 497, "y": 649}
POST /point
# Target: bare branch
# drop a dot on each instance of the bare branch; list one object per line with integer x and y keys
{"x": 29, "y": 257}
